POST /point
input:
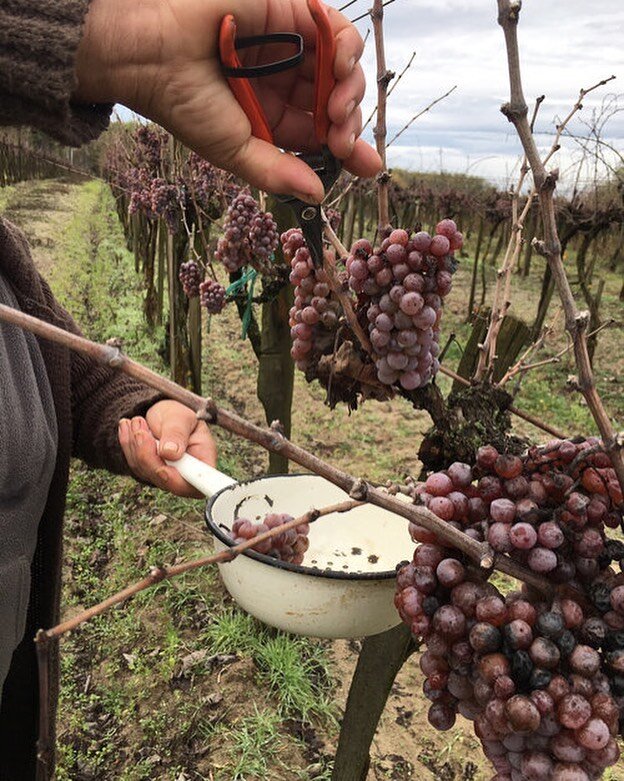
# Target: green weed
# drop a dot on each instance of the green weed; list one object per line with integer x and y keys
{"x": 253, "y": 741}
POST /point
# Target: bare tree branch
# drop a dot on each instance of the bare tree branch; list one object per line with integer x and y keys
{"x": 273, "y": 441}
{"x": 545, "y": 182}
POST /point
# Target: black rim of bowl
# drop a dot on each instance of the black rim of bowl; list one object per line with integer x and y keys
{"x": 300, "y": 569}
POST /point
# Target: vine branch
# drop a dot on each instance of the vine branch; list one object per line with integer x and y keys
{"x": 384, "y": 77}
{"x": 206, "y": 409}
{"x": 545, "y": 183}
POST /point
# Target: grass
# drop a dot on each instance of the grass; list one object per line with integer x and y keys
{"x": 253, "y": 742}
{"x": 295, "y": 670}
{"x": 6, "y": 194}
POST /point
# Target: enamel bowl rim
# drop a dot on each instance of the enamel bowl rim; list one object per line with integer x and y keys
{"x": 298, "y": 569}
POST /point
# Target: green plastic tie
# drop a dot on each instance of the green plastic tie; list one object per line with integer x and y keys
{"x": 253, "y": 275}
{"x": 233, "y": 289}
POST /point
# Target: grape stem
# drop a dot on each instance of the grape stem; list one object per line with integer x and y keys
{"x": 341, "y": 295}
{"x": 380, "y": 131}
{"x": 110, "y": 355}
{"x": 545, "y": 183}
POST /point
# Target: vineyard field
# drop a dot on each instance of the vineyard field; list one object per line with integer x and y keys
{"x": 179, "y": 685}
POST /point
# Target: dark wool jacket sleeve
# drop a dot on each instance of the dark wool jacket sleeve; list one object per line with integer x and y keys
{"x": 100, "y": 397}
{"x": 38, "y": 44}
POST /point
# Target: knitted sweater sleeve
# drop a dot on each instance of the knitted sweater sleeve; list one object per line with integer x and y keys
{"x": 100, "y": 398}
{"x": 38, "y": 44}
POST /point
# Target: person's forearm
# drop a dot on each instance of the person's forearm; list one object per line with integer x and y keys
{"x": 116, "y": 50}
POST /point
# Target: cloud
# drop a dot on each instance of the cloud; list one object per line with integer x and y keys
{"x": 564, "y": 46}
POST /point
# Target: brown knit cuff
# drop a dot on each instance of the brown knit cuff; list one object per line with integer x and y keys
{"x": 38, "y": 44}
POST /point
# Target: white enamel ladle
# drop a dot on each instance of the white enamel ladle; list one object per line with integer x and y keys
{"x": 345, "y": 586}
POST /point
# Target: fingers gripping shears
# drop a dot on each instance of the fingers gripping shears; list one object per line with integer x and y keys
{"x": 323, "y": 163}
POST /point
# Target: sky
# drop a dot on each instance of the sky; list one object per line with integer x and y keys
{"x": 564, "y": 45}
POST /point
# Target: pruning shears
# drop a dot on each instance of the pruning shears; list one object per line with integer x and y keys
{"x": 324, "y": 163}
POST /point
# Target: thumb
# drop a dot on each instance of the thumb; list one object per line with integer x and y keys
{"x": 173, "y": 425}
{"x": 265, "y": 166}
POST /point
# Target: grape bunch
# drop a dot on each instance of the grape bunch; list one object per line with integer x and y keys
{"x": 190, "y": 276}
{"x": 263, "y": 241}
{"x": 400, "y": 287}
{"x": 549, "y": 510}
{"x": 314, "y": 316}
{"x": 233, "y": 248}
{"x": 540, "y": 702}
{"x": 212, "y": 296}
{"x": 289, "y": 545}
{"x": 543, "y": 681}
{"x": 166, "y": 199}
{"x": 250, "y": 236}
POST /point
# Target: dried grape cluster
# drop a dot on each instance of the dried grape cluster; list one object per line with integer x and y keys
{"x": 233, "y": 248}
{"x": 289, "y": 546}
{"x": 159, "y": 188}
{"x": 190, "y": 276}
{"x": 400, "y": 287}
{"x": 314, "y": 316}
{"x": 543, "y": 681}
{"x": 212, "y": 296}
{"x": 166, "y": 202}
{"x": 249, "y": 236}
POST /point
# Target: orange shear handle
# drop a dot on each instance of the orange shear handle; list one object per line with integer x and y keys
{"x": 324, "y": 80}
{"x": 242, "y": 89}
{"x": 324, "y": 74}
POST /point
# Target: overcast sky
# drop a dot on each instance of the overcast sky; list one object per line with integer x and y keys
{"x": 564, "y": 44}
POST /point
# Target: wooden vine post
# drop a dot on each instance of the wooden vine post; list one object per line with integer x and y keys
{"x": 276, "y": 369}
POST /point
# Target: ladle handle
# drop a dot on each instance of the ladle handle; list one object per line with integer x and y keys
{"x": 200, "y": 475}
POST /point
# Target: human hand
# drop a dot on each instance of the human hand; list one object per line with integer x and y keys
{"x": 179, "y": 432}
{"x": 161, "y": 59}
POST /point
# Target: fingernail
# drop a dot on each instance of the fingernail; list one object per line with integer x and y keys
{"x": 135, "y": 425}
{"x": 139, "y": 437}
{"x": 170, "y": 449}
{"x": 307, "y": 198}
{"x": 351, "y": 64}
{"x": 351, "y": 140}
{"x": 162, "y": 474}
{"x": 350, "y": 109}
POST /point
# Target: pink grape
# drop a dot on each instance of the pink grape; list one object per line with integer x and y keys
{"x": 523, "y": 536}
{"x": 439, "y": 484}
